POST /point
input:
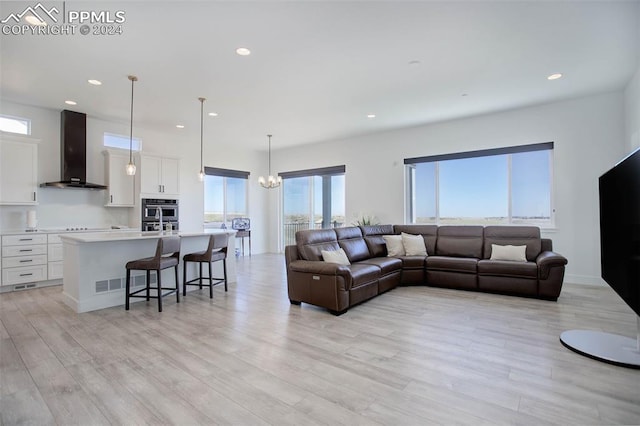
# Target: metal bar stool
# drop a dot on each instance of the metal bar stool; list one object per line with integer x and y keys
{"x": 216, "y": 251}
{"x": 167, "y": 256}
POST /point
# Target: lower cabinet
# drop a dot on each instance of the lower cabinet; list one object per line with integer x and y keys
{"x": 54, "y": 257}
{"x": 24, "y": 259}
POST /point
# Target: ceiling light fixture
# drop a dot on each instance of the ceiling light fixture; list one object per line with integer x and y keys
{"x": 371, "y": 116}
{"x": 213, "y": 114}
{"x": 554, "y": 76}
{"x": 95, "y": 82}
{"x": 131, "y": 167}
{"x": 71, "y": 102}
{"x": 180, "y": 126}
{"x": 243, "y": 51}
{"x": 271, "y": 182}
{"x": 201, "y": 172}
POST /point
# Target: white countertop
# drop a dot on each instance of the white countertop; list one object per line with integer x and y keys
{"x": 123, "y": 235}
{"x": 62, "y": 231}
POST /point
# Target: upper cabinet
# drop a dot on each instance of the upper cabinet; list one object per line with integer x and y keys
{"x": 18, "y": 171}
{"x": 159, "y": 176}
{"x": 121, "y": 186}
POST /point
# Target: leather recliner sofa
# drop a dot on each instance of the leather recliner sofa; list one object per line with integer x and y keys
{"x": 457, "y": 257}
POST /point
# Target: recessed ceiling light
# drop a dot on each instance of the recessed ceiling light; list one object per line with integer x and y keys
{"x": 70, "y": 102}
{"x": 243, "y": 51}
{"x": 180, "y": 126}
{"x": 414, "y": 62}
{"x": 35, "y": 21}
{"x": 464, "y": 94}
{"x": 95, "y": 82}
{"x": 554, "y": 76}
{"x": 213, "y": 114}
{"x": 371, "y": 116}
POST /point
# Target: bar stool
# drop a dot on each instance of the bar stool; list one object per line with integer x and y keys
{"x": 167, "y": 256}
{"x": 216, "y": 251}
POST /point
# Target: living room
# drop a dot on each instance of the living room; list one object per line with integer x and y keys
{"x": 593, "y": 124}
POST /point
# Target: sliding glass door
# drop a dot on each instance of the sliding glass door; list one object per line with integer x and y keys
{"x": 312, "y": 199}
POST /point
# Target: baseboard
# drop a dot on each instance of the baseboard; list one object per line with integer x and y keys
{"x": 584, "y": 280}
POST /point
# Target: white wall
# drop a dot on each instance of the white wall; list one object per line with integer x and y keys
{"x": 588, "y": 135}
{"x": 69, "y": 207}
{"x": 632, "y": 112}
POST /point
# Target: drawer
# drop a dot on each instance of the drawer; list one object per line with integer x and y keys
{"x": 24, "y": 274}
{"x": 23, "y": 240}
{"x": 54, "y": 252}
{"x": 54, "y": 270}
{"x": 12, "y": 262}
{"x": 23, "y": 250}
{"x": 54, "y": 239}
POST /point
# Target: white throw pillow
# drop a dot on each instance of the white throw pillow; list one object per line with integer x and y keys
{"x": 335, "y": 256}
{"x": 413, "y": 245}
{"x": 394, "y": 245}
{"x": 508, "y": 252}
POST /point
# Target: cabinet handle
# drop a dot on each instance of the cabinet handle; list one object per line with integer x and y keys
{"x": 34, "y": 195}
{"x": 111, "y": 198}
{"x": 24, "y": 250}
{"x": 26, "y": 275}
{"x": 27, "y": 260}
{"x": 25, "y": 239}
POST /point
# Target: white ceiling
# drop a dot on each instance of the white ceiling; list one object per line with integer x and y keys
{"x": 318, "y": 68}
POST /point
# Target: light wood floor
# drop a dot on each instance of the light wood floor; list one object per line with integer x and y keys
{"x": 415, "y": 355}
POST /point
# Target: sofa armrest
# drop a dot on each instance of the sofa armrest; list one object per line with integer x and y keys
{"x": 547, "y": 260}
{"x": 321, "y": 268}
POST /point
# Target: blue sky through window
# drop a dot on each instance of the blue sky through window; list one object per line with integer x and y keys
{"x": 478, "y": 188}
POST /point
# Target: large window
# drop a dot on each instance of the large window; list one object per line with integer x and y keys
{"x": 312, "y": 199}
{"x": 225, "y": 196}
{"x": 22, "y": 126}
{"x": 498, "y": 186}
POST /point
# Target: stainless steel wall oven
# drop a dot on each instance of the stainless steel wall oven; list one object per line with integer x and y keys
{"x": 151, "y": 216}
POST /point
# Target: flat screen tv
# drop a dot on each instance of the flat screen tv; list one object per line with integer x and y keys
{"x": 620, "y": 229}
{"x": 620, "y": 262}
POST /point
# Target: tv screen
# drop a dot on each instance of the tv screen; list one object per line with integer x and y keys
{"x": 620, "y": 229}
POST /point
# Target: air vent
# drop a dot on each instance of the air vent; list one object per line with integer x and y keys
{"x": 114, "y": 284}
{"x": 102, "y": 286}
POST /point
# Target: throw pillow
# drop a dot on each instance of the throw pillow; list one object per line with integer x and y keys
{"x": 335, "y": 256}
{"x": 413, "y": 245}
{"x": 508, "y": 252}
{"x": 394, "y": 245}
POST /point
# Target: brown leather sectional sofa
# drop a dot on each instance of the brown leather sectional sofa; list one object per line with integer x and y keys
{"x": 457, "y": 257}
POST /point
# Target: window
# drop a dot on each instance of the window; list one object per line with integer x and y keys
{"x": 225, "y": 196}
{"x": 312, "y": 199}
{"x": 497, "y": 186}
{"x": 18, "y": 125}
{"x": 119, "y": 141}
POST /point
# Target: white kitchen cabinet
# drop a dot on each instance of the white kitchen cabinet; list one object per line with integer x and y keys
{"x": 18, "y": 171}
{"x": 24, "y": 258}
{"x": 54, "y": 256}
{"x": 121, "y": 187}
{"x": 159, "y": 176}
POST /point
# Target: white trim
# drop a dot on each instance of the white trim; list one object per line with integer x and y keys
{"x": 585, "y": 280}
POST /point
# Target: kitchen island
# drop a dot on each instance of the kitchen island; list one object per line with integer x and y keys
{"x": 94, "y": 264}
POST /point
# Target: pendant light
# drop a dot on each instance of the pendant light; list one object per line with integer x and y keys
{"x": 271, "y": 181}
{"x": 201, "y": 172}
{"x": 131, "y": 167}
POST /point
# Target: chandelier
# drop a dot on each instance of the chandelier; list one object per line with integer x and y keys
{"x": 271, "y": 181}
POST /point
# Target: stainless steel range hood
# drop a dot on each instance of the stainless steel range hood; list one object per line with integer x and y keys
{"x": 73, "y": 155}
